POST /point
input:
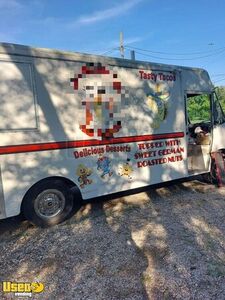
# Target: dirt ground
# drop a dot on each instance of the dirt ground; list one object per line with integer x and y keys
{"x": 164, "y": 243}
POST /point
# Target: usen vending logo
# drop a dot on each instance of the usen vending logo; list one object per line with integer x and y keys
{"x": 21, "y": 289}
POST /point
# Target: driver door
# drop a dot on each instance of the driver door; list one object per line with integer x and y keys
{"x": 199, "y": 132}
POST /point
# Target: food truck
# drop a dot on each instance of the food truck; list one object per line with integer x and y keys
{"x": 77, "y": 126}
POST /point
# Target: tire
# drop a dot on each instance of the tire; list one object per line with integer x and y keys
{"x": 211, "y": 177}
{"x": 48, "y": 203}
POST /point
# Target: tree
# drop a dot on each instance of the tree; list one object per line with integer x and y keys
{"x": 220, "y": 91}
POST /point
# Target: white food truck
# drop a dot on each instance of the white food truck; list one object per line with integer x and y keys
{"x": 97, "y": 125}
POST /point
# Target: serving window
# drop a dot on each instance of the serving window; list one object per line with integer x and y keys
{"x": 17, "y": 98}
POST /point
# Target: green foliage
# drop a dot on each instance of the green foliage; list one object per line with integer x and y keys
{"x": 220, "y": 91}
{"x": 198, "y": 108}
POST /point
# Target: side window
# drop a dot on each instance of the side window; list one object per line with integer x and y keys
{"x": 218, "y": 113}
{"x": 17, "y": 99}
{"x": 198, "y": 108}
{"x": 219, "y": 105}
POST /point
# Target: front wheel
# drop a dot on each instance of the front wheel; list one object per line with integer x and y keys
{"x": 48, "y": 202}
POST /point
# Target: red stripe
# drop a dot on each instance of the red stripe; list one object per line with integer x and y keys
{"x": 86, "y": 143}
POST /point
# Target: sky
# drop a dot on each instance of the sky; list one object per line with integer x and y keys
{"x": 185, "y": 32}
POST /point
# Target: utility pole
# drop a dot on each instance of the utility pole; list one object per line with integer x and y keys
{"x": 121, "y": 45}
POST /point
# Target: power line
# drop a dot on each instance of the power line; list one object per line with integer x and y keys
{"x": 180, "y": 59}
{"x": 193, "y": 58}
{"x": 182, "y": 54}
{"x": 105, "y": 50}
{"x": 221, "y": 79}
{"x": 218, "y": 75}
{"x": 110, "y": 51}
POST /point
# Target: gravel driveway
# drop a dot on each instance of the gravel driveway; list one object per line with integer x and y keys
{"x": 164, "y": 243}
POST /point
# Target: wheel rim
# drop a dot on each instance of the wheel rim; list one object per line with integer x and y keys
{"x": 49, "y": 203}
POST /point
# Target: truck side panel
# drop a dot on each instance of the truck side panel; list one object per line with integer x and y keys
{"x": 2, "y": 200}
{"x": 112, "y": 128}
{"x": 106, "y": 125}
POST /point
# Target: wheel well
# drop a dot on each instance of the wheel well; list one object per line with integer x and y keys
{"x": 66, "y": 180}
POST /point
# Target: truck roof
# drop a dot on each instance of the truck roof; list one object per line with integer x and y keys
{"x": 22, "y": 50}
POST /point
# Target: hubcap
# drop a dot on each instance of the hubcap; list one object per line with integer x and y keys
{"x": 49, "y": 203}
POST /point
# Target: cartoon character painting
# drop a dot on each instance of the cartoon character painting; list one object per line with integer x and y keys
{"x": 157, "y": 101}
{"x": 126, "y": 170}
{"x": 101, "y": 94}
{"x": 83, "y": 173}
{"x": 103, "y": 164}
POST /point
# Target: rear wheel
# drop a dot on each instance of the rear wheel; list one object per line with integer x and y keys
{"x": 211, "y": 177}
{"x": 48, "y": 202}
